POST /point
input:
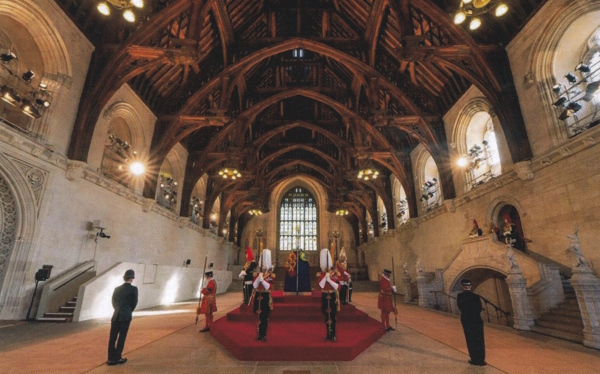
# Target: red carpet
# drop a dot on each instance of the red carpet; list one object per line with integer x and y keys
{"x": 296, "y": 332}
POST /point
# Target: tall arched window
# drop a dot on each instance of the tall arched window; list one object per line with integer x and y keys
{"x": 298, "y": 221}
{"x": 482, "y": 158}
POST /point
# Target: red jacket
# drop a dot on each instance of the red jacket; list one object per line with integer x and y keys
{"x": 208, "y": 298}
{"x": 385, "y": 302}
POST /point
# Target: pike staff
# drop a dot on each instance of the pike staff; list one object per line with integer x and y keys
{"x": 394, "y": 293}
{"x": 201, "y": 283}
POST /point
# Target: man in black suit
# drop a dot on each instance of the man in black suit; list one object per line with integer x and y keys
{"x": 470, "y": 308}
{"x": 124, "y": 301}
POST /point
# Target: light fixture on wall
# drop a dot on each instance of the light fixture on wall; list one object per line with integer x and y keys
{"x": 473, "y": 9}
{"x": 125, "y": 5}
{"x": 230, "y": 173}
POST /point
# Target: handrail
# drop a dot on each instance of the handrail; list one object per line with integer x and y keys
{"x": 486, "y": 301}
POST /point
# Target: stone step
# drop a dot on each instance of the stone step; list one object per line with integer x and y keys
{"x": 53, "y": 319}
{"x": 574, "y": 337}
{"x": 71, "y": 303}
{"x": 574, "y": 329}
{"x": 58, "y": 315}
{"x": 570, "y": 312}
{"x": 562, "y": 319}
{"x": 67, "y": 309}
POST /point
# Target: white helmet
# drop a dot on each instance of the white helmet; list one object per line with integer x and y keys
{"x": 265, "y": 260}
{"x": 325, "y": 260}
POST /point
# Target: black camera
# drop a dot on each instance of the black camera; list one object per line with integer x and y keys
{"x": 103, "y": 235}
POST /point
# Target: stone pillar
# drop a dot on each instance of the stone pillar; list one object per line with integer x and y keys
{"x": 422, "y": 287}
{"x": 587, "y": 289}
{"x": 406, "y": 285}
{"x": 522, "y": 313}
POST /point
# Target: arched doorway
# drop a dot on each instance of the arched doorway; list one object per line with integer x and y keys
{"x": 491, "y": 285}
{"x": 508, "y": 216}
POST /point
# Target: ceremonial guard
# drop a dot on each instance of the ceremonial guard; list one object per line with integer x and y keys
{"x": 385, "y": 301}
{"x": 329, "y": 281}
{"x": 470, "y": 308}
{"x": 208, "y": 304}
{"x": 345, "y": 279}
{"x": 263, "y": 302}
{"x": 248, "y": 275}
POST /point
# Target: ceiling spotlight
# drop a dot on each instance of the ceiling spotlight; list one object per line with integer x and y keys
{"x": 43, "y": 86}
{"x": 475, "y": 23}
{"x": 137, "y": 3}
{"x": 462, "y": 162}
{"x": 571, "y": 78}
{"x": 556, "y": 88}
{"x": 591, "y": 90}
{"x": 42, "y": 102}
{"x": 560, "y": 102}
{"x": 103, "y": 8}
{"x": 9, "y": 95}
{"x": 459, "y": 18}
{"x": 574, "y": 107}
{"x": 28, "y": 75}
{"x": 29, "y": 109}
{"x": 583, "y": 68}
{"x": 501, "y": 10}
{"x": 137, "y": 168}
{"x": 129, "y": 16}
{"x": 7, "y": 57}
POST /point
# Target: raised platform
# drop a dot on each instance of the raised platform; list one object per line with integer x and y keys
{"x": 296, "y": 332}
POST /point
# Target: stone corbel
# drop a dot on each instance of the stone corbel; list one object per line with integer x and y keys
{"x": 450, "y": 206}
{"x": 75, "y": 169}
{"x": 147, "y": 205}
{"x": 183, "y": 222}
{"x": 524, "y": 170}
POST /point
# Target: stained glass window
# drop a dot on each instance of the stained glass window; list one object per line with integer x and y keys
{"x": 298, "y": 221}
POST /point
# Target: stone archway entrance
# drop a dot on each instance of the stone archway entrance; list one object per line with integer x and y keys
{"x": 8, "y": 227}
{"x": 491, "y": 285}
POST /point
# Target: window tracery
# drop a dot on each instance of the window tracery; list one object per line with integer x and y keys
{"x": 298, "y": 227}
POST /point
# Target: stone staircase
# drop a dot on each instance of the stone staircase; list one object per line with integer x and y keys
{"x": 564, "y": 321}
{"x": 65, "y": 313}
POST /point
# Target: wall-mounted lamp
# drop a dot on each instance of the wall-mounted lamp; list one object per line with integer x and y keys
{"x": 100, "y": 231}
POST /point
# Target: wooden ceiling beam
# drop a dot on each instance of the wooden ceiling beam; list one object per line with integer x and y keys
{"x": 373, "y": 28}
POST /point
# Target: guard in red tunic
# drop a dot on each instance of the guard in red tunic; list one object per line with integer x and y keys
{"x": 385, "y": 302}
{"x": 329, "y": 283}
{"x": 209, "y": 303}
{"x": 341, "y": 266}
{"x": 263, "y": 285}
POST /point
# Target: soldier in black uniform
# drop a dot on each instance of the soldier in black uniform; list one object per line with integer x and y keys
{"x": 470, "y": 308}
{"x": 247, "y": 274}
{"x": 124, "y": 301}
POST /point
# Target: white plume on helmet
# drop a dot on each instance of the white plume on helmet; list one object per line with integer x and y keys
{"x": 265, "y": 260}
{"x": 325, "y": 259}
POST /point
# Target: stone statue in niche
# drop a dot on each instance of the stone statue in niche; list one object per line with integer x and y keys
{"x": 475, "y": 231}
{"x": 405, "y": 269}
{"x": 419, "y": 266}
{"x": 575, "y": 248}
{"x": 510, "y": 256}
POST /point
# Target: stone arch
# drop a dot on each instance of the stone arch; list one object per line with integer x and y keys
{"x": 57, "y": 68}
{"x": 173, "y": 166}
{"x": 18, "y": 203}
{"x": 423, "y": 172}
{"x": 401, "y": 208}
{"x": 543, "y": 57}
{"x": 124, "y": 110}
{"x": 500, "y": 204}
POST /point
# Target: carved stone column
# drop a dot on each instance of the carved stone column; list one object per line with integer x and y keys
{"x": 522, "y": 313}
{"x": 406, "y": 285}
{"x": 587, "y": 289}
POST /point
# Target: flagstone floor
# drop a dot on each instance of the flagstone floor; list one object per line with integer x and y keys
{"x": 165, "y": 340}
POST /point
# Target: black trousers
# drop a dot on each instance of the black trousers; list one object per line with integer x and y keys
{"x": 116, "y": 340}
{"x": 473, "y": 329}
{"x": 344, "y": 294}
{"x": 329, "y": 309}
{"x": 247, "y": 292}
{"x": 262, "y": 307}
